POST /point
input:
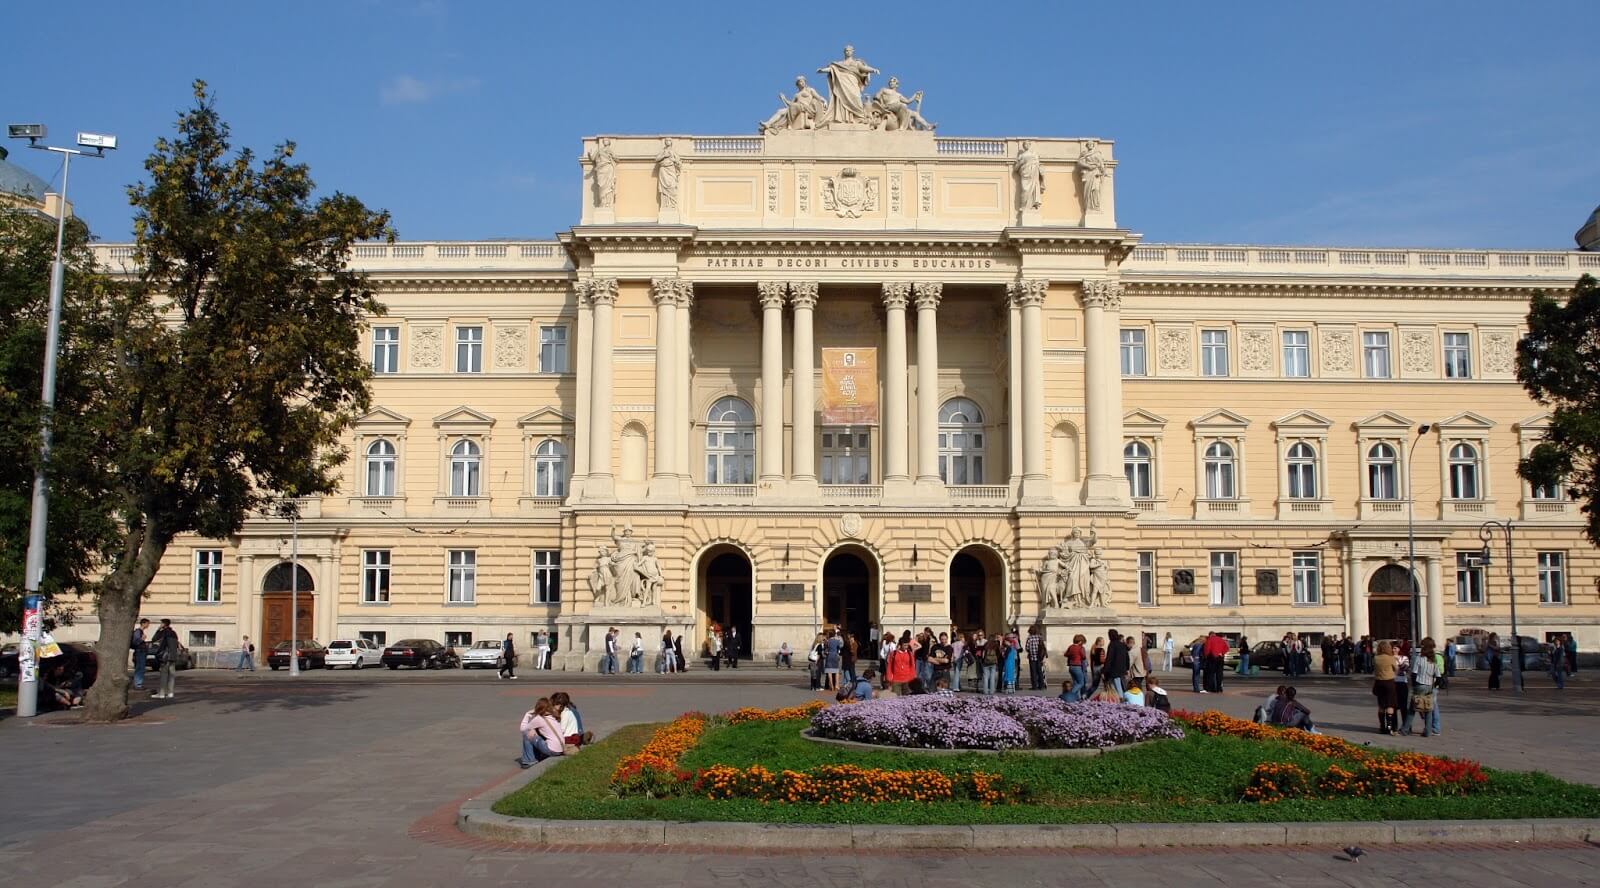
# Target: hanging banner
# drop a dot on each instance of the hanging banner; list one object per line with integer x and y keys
{"x": 850, "y": 386}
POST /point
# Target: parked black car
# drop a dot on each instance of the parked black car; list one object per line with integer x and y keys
{"x": 1267, "y": 655}
{"x": 80, "y": 657}
{"x": 421, "y": 653}
{"x": 311, "y": 654}
{"x": 185, "y": 658}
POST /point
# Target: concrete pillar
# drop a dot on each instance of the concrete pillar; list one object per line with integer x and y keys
{"x": 772, "y": 295}
{"x": 896, "y": 474}
{"x": 928, "y": 294}
{"x": 803, "y": 295}
{"x": 584, "y": 362}
{"x": 664, "y": 483}
{"x": 600, "y": 485}
{"x": 1435, "y": 607}
{"x": 1355, "y": 595}
{"x": 1102, "y": 313}
{"x": 1014, "y": 394}
{"x": 1029, "y": 296}
{"x": 686, "y": 406}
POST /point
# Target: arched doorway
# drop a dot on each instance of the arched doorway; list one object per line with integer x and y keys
{"x": 977, "y": 590}
{"x": 727, "y": 596}
{"x": 1389, "y": 602}
{"x": 276, "y": 596}
{"x": 850, "y": 595}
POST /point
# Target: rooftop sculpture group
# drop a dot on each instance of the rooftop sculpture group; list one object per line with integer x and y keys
{"x": 847, "y": 104}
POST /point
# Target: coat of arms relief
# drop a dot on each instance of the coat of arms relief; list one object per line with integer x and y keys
{"x": 849, "y": 194}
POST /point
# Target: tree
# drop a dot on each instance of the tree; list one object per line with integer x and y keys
{"x": 239, "y": 364}
{"x": 1559, "y": 363}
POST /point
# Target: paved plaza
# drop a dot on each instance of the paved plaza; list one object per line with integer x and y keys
{"x": 352, "y": 779}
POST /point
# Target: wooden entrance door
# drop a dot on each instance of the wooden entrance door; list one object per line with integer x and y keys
{"x": 275, "y": 620}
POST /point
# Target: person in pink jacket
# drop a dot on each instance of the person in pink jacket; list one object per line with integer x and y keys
{"x": 541, "y": 734}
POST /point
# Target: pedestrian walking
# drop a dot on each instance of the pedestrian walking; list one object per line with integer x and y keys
{"x": 167, "y": 648}
{"x": 1077, "y": 667}
{"x": 1491, "y": 659}
{"x": 139, "y": 644}
{"x": 1570, "y": 645}
{"x": 1116, "y": 668}
{"x": 1558, "y": 664}
{"x": 1167, "y": 647}
{"x": 247, "y": 658}
{"x": 508, "y": 657}
{"x": 636, "y": 656}
{"x": 1034, "y": 648}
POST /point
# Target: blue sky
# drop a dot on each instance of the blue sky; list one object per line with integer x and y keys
{"x": 1459, "y": 124}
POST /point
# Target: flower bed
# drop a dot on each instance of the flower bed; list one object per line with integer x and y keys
{"x": 751, "y": 713}
{"x": 653, "y": 770}
{"x": 980, "y": 722}
{"x": 845, "y": 784}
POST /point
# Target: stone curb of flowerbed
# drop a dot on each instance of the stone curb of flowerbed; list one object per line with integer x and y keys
{"x": 879, "y": 747}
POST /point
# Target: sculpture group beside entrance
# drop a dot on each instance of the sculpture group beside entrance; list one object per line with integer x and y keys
{"x": 1074, "y": 574}
{"x": 848, "y": 105}
{"x": 626, "y": 574}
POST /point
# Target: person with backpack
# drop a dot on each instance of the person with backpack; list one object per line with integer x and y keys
{"x": 138, "y": 643}
{"x": 167, "y": 649}
{"x": 247, "y": 658}
{"x": 988, "y": 664}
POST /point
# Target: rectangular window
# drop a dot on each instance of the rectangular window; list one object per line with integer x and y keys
{"x": 1224, "y": 579}
{"x": 463, "y": 582}
{"x": 1552, "y": 578}
{"x": 553, "y": 349}
{"x": 207, "y": 576}
{"x": 846, "y": 457}
{"x": 1147, "y": 579}
{"x": 547, "y": 577}
{"x": 1307, "y": 577}
{"x": 385, "y": 349}
{"x": 469, "y": 349}
{"x": 1375, "y": 354}
{"x": 202, "y": 639}
{"x": 1214, "y": 352}
{"x": 458, "y": 639}
{"x": 1296, "y": 353}
{"x": 1132, "y": 352}
{"x": 1469, "y": 578}
{"x": 1457, "y": 356}
{"x": 379, "y": 638}
{"x": 375, "y": 566}
{"x": 1546, "y": 491}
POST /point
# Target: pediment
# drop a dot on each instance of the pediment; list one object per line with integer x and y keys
{"x": 1303, "y": 419}
{"x": 545, "y": 416}
{"x": 463, "y": 417}
{"x": 1221, "y": 418}
{"x": 1141, "y": 418}
{"x": 1385, "y": 420}
{"x": 381, "y": 417}
{"x": 1538, "y": 422}
{"x": 1466, "y": 420}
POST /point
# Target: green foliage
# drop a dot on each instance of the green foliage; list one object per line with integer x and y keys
{"x": 1559, "y": 363}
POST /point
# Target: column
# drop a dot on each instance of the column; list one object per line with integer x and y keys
{"x": 664, "y": 486}
{"x": 1029, "y": 295}
{"x": 583, "y": 363}
{"x": 600, "y": 485}
{"x": 928, "y": 294}
{"x": 1014, "y": 394}
{"x": 1102, "y": 318}
{"x": 685, "y": 403}
{"x": 803, "y": 296}
{"x": 1435, "y": 606}
{"x": 896, "y": 476}
{"x": 1355, "y": 598}
{"x": 772, "y": 295}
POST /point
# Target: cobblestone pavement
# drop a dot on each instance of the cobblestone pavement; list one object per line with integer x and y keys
{"x": 352, "y": 779}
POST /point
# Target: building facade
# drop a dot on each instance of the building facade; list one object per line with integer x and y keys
{"x": 851, "y": 372}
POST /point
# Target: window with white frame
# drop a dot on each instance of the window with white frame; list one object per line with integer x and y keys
{"x": 1306, "y": 570}
{"x": 1383, "y": 472}
{"x": 1214, "y": 352}
{"x": 380, "y": 468}
{"x": 846, "y": 456}
{"x": 553, "y": 349}
{"x": 1469, "y": 578}
{"x": 1547, "y": 491}
{"x": 1457, "y": 356}
{"x": 462, "y": 584}
{"x": 1139, "y": 466}
{"x": 1221, "y": 471}
{"x": 204, "y": 638}
{"x": 469, "y": 349}
{"x": 375, "y": 566}
{"x": 1375, "y": 354}
{"x": 1552, "y": 578}
{"x": 207, "y": 576}
{"x": 1297, "y": 353}
{"x": 1147, "y": 579}
{"x": 1464, "y": 472}
{"x": 547, "y": 576}
{"x": 1133, "y": 352}
{"x": 960, "y": 442}
{"x": 458, "y": 639}
{"x": 550, "y": 469}
{"x": 1224, "y": 579}
{"x": 385, "y": 349}
{"x": 466, "y": 469}
{"x": 1302, "y": 468}
{"x": 731, "y": 442}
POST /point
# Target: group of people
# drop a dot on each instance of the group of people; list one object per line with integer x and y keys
{"x": 611, "y": 652}
{"x": 167, "y": 651}
{"x": 988, "y": 663}
{"x": 552, "y": 727}
{"x": 722, "y": 646}
{"x": 1285, "y": 709}
{"x": 1406, "y": 684}
{"x": 1120, "y": 669}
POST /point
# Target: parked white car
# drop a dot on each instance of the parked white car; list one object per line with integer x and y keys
{"x": 485, "y": 654}
{"x": 357, "y": 653}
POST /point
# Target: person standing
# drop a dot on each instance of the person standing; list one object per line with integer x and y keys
{"x": 139, "y": 644}
{"x": 958, "y": 660}
{"x": 1138, "y": 660}
{"x": 666, "y": 661}
{"x": 1213, "y": 651}
{"x": 613, "y": 641}
{"x": 832, "y": 658}
{"x": 636, "y": 656}
{"x": 166, "y": 642}
{"x": 1494, "y": 660}
{"x": 1424, "y": 679}
{"x": 1558, "y": 664}
{"x": 1384, "y": 669}
{"x": 1244, "y": 656}
{"x": 1116, "y": 668}
{"x": 508, "y": 657}
{"x": 1570, "y": 647}
{"x": 847, "y": 661}
{"x": 714, "y": 649}
{"x": 247, "y": 659}
{"x": 1097, "y": 665}
{"x": 814, "y": 661}
{"x": 1008, "y": 664}
{"x": 1167, "y": 646}
{"x": 1450, "y": 658}
{"x": 988, "y": 663}
{"x": 1077, "y": 663}
{"x": 541, "y": 644}
{"x": 1034, "y": 648}
{"x": 730, "y": 646}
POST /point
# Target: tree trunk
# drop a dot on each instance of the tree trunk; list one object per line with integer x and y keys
{"x": 120, "y": 598}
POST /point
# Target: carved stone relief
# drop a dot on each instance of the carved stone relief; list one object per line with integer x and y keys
{"x": 1416, "y": 352}
{"x": 1497, "y": 354}
{"x": 427, "y": 346}
{"x": 926, "y": 192}
{"x": 1255, "y": 350}
{"x": 1173, "y": 349}
{"x": 511, "y": 347}
{"x": 1074, "y": 574}
{"x": 802, "y": 191}
{"x": 849, "y": 194}
{"x": 894, "y": 193}
{"x": 772, "y": 191}
{"x": 626, "y": 573}
{"x": 1338, "y": 351}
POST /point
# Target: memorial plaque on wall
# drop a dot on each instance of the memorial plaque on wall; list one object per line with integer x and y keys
{"x": 788, "y": 591}
{"x": 1183, "y": 582}
{"x": 919, "y": 592}
{"x": 1266, "y": 582}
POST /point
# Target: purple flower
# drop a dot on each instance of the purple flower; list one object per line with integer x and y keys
{"x": 976, "y": 722}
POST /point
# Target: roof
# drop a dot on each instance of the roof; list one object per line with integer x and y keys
{"x": 18, "y": 181}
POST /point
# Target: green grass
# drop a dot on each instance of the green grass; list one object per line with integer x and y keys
{"x": 1196, "y": 779}
{"x": 8, "y": 698}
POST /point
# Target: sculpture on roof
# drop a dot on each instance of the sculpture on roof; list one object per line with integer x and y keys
{"x": 605, "y": 174}
{"x": 893, "y": 111}
{"x": 800, "y": 113}
{"x": 1030, "y": 177}
{"x": 847, "y": 87}
{"x": 1094, "y": 170}
{"x": 668, "y": 166}
{"x": 848, "y": 105}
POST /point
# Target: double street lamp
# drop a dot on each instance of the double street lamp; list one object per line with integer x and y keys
{"x": 1485, "y": 558}
{"x": 89, "y": 145}
{"x": 1411, "y": 539}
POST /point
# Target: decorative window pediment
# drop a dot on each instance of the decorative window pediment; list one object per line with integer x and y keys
{"x": 1538, "y": 423}
{"x": 1220, "y": 420}
{"x": 1385, "y": 422}
{"x": 545, "y": 421}
{"x": 381, "y": 421}
{"x": 1303, "y": 421}
{"x": 463, "y": 420}
{"x": 1144, "y": 422}
{"x": 1466, "y": 421}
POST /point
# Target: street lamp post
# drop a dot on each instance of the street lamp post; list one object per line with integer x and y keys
{"x": 39, "y": 517}
{"x": 1485, "y": 558}
{"x": 1411, "y": 539}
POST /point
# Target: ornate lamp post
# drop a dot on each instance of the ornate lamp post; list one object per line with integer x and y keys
{"x": 1485, "y": 558}
{"x": 1411, "y": 540}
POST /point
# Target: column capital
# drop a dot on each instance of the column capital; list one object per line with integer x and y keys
{"x": 896, "y": 294}
{"x": 772, "y": 293}
{"x": 664, "y": 290}
{"x": 1102, "y": 294}
{"x": 685, "y": 293}
{"x": 1028, "y": 291}
{"x": 803, "y": 294}
{"x": 580, "y": 287}
{"x": 603, "y": 291}
{"x": 929, "y": 293}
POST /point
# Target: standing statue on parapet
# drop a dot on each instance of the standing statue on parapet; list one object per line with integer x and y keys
{"x": 605, "y": 174}
{"x": 1094, "y": 171}
{"x": 894, "y": 111}
{"x": 800, "y": 113}
{"x": 1030, "y": 177}
{"x": 668, "y": 168}
{"x": 847, "y": 88}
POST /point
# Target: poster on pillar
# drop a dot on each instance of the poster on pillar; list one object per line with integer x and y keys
{"x": 849, "y": 386}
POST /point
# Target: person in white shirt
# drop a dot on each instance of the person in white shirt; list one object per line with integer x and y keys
{"x": 785, "y": 655}
{"x": 541, "y": 643}
{"x": 1166, "y": 654}
{"x": 636, "y": 655}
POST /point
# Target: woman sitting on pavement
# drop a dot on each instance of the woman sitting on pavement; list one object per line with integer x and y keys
{"x": 1155, "y": 696}
{"x": 572, "y": 731}
{"x": 1267, "y": 712}
{"x": 541, "y": 734}
{"x": 1294, "y": 714}
{"x": 1134, "y": 695}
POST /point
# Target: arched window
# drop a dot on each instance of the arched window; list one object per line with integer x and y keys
{"x": 466, "y": 469}
{"x": 1220, "y": 471}
{"x": 550, "y": 469}
{"x": 1138, "y": 466}
{"x": 731, "y": 442}
{"x": 960, "y": 442}
{"x": 1383, "y": 473}
{"x": 380, "y": 468}
{"x": 1464, "y": 472}
{"x": 1302, "y": 471}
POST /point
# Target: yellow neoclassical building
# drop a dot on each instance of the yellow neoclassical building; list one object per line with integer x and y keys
{"x": 848, "y": 371}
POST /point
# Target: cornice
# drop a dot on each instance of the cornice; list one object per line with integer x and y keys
{"x": 553, "y": 282}
{"x": 1119, "y": 242}
{"x": 1383, "y": 288}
